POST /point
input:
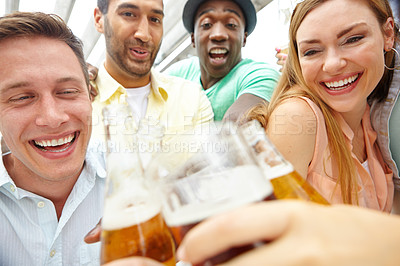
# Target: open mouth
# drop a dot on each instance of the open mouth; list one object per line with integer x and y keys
{"x": 341, "y": 84}
{"x": 56, "y": 145}
{"x": 218, "y": 53}
{"x": 138, "y": 51}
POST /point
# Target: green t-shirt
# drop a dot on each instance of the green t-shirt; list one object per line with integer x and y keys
{"x": 248, "y": 76}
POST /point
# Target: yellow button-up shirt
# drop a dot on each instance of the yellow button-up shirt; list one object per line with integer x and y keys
{"x": 177, "y": 103}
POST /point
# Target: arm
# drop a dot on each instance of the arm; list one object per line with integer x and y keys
{"x": 311, "y": 234}
{"x": 240, "y": 107}
{"x": 292, "y": 128}
{"x": 255, "y": 83}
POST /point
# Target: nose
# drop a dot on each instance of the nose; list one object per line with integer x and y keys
{"x": 142, "y": 32}
{"x": 334, "y": 62}
{"x": 50, "y": 113}
{"x": 218, "y": 32}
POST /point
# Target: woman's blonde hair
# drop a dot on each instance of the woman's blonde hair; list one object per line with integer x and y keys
{"x": 292, "y": 75}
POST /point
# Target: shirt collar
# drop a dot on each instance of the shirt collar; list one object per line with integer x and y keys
{"x": 109, "y": 85}
{"x": 94, "y": 166}
{"x": 4, "y": 176}
{"x": 106, "y": 84}
{"x": 159, "y": 84}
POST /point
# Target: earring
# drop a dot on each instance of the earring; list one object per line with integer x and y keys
{"x": 398, "y": 56}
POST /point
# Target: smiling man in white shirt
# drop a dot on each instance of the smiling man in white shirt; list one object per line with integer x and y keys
{"x": 51, "y": 185}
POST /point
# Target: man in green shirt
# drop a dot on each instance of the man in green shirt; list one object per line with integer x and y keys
{"x": 219, "y": 29}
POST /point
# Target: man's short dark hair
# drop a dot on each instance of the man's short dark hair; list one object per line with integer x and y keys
{"x": 31, "y": 24}
{"x": 103, "y": 5}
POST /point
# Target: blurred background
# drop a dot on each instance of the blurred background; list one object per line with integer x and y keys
{"x": 270, "y": 32}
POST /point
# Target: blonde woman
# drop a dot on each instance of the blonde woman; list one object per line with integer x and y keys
{"x": 339, "y": 59}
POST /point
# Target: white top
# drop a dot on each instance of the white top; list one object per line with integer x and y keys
{"x": 30, "y": 232}
{"x": 365, "y": 165}
{"x": 138, "y": 100}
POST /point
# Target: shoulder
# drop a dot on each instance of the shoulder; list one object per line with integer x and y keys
{"x": 292, "y": 127}
{"x": 294, "y": 107}
{"x": 294, "y": 117}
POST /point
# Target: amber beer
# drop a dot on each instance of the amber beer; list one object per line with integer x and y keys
{"x": 293, "y": 186}
{"x": 137, "y": 230}
{"x": 287, "y": 183}
{"x": 244, "y": 185}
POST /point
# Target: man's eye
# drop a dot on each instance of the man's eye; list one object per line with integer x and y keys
{"x": 156, "y": 20}
{"x": 68, "y": 92}
{"x": 128, "y": 14}
{"x": 206, "y": 25}
{"x": 20, "y": 98}
{"x": 232, "y": 26}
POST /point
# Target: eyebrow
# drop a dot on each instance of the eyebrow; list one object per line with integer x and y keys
{"x": 23, "y": 84}
{"x": 225, "y": 10}
{"x": 132, "y": 6}
{"x": 343, "y": 32}
{"x": 340, "y": 34}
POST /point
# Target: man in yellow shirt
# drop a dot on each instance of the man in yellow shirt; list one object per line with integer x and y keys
{"x": 133, "y": 32}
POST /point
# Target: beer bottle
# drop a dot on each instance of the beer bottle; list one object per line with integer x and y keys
{"x": 286, "y": 182}
{"x": 132, "y": 223}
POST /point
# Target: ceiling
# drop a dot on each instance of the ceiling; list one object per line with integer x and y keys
{"x": 79, "y": 16}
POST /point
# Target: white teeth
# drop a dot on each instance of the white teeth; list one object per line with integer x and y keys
{"x": 55, "y": 142}
{"x": 338, "y": 85}
{"x": 218, "y": 51}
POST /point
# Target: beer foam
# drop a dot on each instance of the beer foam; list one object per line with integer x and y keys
{"x": 129, "y": 206}
{"x": 243, "y": 185}
{"x": 278, "y": 170}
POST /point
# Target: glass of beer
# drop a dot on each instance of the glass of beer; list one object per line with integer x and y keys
{"x": 132, "y": 224}
{"x": 215, "y": 174}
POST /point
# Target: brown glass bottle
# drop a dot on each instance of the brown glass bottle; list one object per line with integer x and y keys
{"x": 286, "y": 182}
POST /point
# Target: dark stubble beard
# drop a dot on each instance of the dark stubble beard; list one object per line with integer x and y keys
{"x": 116, "y": 50}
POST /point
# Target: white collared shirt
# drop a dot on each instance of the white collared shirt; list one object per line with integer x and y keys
{"x": 30, "y": 232}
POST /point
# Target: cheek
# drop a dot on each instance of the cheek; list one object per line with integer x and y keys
{"x": 85, "y": 113}
{"x": 309, "y": 71}
{"x": 11, "y": 129}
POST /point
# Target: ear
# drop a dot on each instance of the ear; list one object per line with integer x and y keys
{"x": 245, "y": 38}
{"x": 192, "y": 38}
{"x": 98, "y": 20}
{"x": 388, "y": 30}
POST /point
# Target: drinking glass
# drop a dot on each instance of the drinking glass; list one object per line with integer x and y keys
{"x": 132, "y": 224}
{"x": 216, "y": 172}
